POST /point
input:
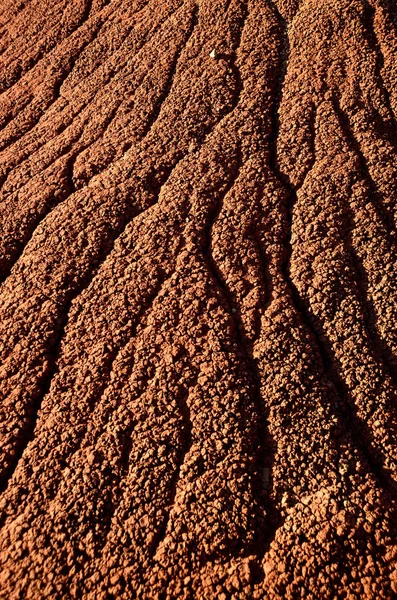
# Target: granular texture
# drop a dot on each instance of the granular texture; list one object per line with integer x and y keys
{"x": 198, "y": 300}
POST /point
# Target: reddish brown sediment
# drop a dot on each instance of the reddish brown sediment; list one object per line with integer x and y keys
{"x": 198, "y": 299}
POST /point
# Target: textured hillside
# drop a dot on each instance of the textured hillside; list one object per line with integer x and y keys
{"x": 198, "y": 301}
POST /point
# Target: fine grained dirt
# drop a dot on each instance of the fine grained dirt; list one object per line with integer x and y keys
{"x": 198, "y": 299}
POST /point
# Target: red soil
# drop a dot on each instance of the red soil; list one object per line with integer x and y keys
{"x": 198, "y": 305}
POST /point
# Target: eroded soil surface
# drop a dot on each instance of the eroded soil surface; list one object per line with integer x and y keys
{"x": 198, "y": 299}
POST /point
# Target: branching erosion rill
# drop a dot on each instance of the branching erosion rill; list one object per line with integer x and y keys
{"x": 198, "y": 299}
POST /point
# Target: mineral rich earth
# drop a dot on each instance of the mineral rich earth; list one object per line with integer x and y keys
{"x": 198, "y": 301}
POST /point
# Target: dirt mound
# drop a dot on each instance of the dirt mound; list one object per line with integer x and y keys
{"x": 198, "y": 299}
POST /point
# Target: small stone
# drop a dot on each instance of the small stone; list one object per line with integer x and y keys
{"x": 144, "y": 521}
{"x": 268, "y": 567}
{"x": 212, "y": 54}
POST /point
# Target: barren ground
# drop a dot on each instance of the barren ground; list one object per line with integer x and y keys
{"x": 198, "y": 301}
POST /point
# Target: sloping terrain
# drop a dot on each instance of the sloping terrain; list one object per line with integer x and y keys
{"x": 198, "y": 301}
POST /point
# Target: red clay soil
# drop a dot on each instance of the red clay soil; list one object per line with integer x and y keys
{"x": 198, "y": 301}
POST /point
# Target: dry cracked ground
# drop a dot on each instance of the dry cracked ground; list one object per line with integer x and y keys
{"x": 198, "y": 301}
